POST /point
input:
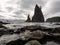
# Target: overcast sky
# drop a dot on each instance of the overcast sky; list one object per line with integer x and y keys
{"x": 19, "y": 9}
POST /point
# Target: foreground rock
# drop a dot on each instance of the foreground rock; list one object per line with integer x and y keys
{"x": 17, "y": 42}
{"x": 20, "y": 39}
{"x": 33, "y": 42}
{"x": 5, "y": 31}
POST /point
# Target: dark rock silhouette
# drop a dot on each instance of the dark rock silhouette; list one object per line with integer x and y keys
{"x": 53, "y": 19}
{"x": 38, "y": 15}
{"x": 1, "y": 22}
{"x": 17, "y": 42}
{"x": 28, "y": 19}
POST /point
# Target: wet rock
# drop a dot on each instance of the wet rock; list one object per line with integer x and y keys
{"x": 33, "y": 42}
{"x": 17, "y": 31}
{"x": 35, "y": 27}
{"x": 10, "y": 31}
{"x": 22, "y": 29}
{"x": 32, "y": 35}
{"x": 17, "y": 42}
{"x": 37, "y": 34}
{"x": 31, "y": 28}
{"x": 56, "y": 30}
{"x": 4, "y": 31}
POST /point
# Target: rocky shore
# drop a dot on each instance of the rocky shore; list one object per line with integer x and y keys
{"x": 25, "y": 34}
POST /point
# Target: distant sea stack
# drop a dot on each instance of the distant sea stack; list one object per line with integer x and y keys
{"x": 28, "y": 19}
{"x": 53, "y": 19}
{"x": 38, "y": 15}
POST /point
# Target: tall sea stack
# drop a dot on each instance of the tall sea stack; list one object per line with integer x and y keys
{"x": 38, "y": 15}
{"x": 28, "y": 19}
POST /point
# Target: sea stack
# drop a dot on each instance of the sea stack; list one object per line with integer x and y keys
{"x": 28, "y": 19}
{"x": 38, "y": 15}
{"x": 53, "y": 19}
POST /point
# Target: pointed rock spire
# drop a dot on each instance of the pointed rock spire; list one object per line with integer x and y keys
{"x": 28, "y": 18}
{"x": 38, "y": 15}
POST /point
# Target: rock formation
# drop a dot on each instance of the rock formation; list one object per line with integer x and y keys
{"x": 38, "y": 15}
{"x": 28, "y": 19}
{"x": 53, "y": 19}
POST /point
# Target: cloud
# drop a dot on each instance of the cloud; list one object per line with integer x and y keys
{"x": 29, "y": 4}
{"x": 9, "y": 9}
{"x": 51, "y": 8}
{"x": 18, "y": 12}
{"x": 19, "y": 9}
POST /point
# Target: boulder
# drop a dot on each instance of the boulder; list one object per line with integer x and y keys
{"x": 33, "y": 42}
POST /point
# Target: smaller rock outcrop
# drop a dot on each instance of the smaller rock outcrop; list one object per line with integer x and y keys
{"x": 53, "y": 19}
{"x": 28, "y": 19}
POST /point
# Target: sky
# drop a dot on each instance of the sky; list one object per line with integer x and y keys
{"x": 19, "y": 9}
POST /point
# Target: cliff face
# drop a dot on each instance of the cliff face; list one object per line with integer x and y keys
{"x": 28, "y": 19}
{"x": 38, "y": 15}
{"x": 53, "y": 19}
